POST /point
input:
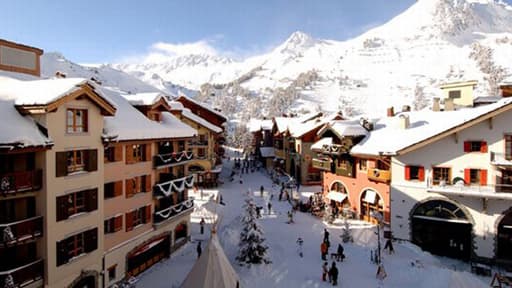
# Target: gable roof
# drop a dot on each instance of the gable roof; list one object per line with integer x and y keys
{"x": 148, "y": 99}
{"x": 426, "y": 126}
{"x": 203, "y": 105}
{"x": 256, "y": 125}
{"x": 301, "y": 127}
{"x": 343, "y": 128}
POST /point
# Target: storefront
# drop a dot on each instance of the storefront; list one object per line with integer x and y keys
{"x": 147, "y": 254}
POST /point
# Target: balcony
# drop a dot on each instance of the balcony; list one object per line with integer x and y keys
{"x": 500, "y": 191}
{"x": 335, "y": 149}
{"x": 25, "y": 275}
{"x": 21, "y": 231}
{"x": 322, "y": 164}
{"x": 501, "y": 159}
{"x": 16, "y": 182}
{"x": 172, "y": 159}
{"x": 173, "y": 211}
{"x": 175, "y": 185}
{"x": 379, "y": 175}
{"x": 198, "y": 143}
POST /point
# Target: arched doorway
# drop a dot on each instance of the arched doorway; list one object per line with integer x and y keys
{"x": 338, "y": 198}
{"x": 504, "y": 239}
{"x": 180, "y": 235}
{"x": 442, "y": 228}
{"x": 371, "y": 203}
{"x": 87, "y": 279}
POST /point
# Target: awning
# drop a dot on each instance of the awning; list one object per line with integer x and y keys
{"x": 370, "y": 196}
{"x": 337, "y": 196}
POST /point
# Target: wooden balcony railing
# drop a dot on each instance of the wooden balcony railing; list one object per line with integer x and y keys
{"x": 173, "y": 211}
{"x": 322, "y": 164}
{"x": 21, "y": 231}
{"x": 171, "y": 159}
{"x": 16, "y": 182}
{"x": 24, "y": 275}
{"x": 379, "y": 175}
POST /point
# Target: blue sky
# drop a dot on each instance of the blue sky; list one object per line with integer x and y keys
{"x": 97, "y": 31}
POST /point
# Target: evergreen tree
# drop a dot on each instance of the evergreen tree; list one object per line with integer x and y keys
{"x": 252, "y": 249}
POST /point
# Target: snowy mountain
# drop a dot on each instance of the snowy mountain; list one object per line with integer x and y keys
{"x": 432, "y": 42}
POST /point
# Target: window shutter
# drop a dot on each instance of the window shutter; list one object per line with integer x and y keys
{"x": 61, "y": 164}
{"x": 91, "y": 200}
{"x": 118, "y": 152}
{"x": 118, "y": 188}
{"x": 483, "y": 177}
{"x": 129, "y": 154}
{"x": 467, "y": 176}
{"x": 85, "y": 120}
{"x": 118, "y": 223}
{"x": 147, "y": 156}
{"x": 407, "y": 173}
{"x": 129, "y": 187}
{"x": 483, "y": 147}
{"x": 467, "y": 146}
{"x": 91, "y": 240}
{"x": 91, "y": 159}
{"x": 147, "y": 180}
{"x": 62, "y": 208}
{"x": 421, "y": 174}
{"x": 129, "y": 221}
{"x": 148, "y": 213}
{"x": 62, "y": 255}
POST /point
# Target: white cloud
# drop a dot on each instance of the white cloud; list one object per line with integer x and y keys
{"x": 170, "y": 49}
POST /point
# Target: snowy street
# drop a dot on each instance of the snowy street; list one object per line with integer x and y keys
{"x": 407, "y": 267}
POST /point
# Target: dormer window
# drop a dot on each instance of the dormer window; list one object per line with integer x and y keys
{"x": 76, "y": 120}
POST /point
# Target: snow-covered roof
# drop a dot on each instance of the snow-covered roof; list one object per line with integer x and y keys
{"x": 320, "y": 143}
{"x": 18, "y": 130}
{"x": 204, "y": 105}
{"x": 299, "y": 127}
{"x": 282, "y": 123}
{"x": 148, "y": 98}
{"x": 345, "y": 128}
{"x": 388, "y": 138}
{"x": 203, "y": 122}
{"x": 267, "y": 152}
{"x": 256, "y": 125}
{"x": 180, "y": 129}
{"x": 130, "y": 124}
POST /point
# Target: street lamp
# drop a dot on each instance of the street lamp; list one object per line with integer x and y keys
{"x": 378, "y": 216}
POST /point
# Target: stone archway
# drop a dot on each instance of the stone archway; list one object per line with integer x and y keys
{"x": 504, "y": 236}
{"x": 87, "y": 279}
{"x": 442, "y": 227}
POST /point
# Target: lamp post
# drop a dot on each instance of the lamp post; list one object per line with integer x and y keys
{"x": 378, "y": 216}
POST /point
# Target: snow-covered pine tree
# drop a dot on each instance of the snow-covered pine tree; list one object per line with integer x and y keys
{"x": 252, "y": 249}
{"x": 346, "y": 236}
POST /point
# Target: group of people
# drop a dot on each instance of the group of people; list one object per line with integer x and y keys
{"x": 324, "y": 248}
{"x": 331, "y": 272}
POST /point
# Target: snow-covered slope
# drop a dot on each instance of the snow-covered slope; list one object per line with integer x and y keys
{"x": 428, "y": 44}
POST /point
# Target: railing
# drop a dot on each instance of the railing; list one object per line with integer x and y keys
{"x": 172, "y": 158}
{"x": 173, "y": 211}
{"x": 499, "y": 191}
{"x": 175, "y": 185}
{"x": 25, "y": 181}
{"x": 24, "y": 275}
{"x": 379, "y": 175}
{"x": 198, "y": 143}
{"x": 335, "y": 149}
{"x": 501, "y": 159}
{"x": 20, "y": 231}
{"x": 321, "y": 164}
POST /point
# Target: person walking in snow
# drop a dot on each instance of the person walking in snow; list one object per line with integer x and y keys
{"x": 199, "y": 249}
{"x": 300, "y": 242}
{"x": 290, "y": 217}
{"x": 261, "y": 190}
{"x": 333, "y": 273}
{"x": 325, "y": 271}
{"x": 269, "y": 206}
{"x": 326, "y": 235}
{"x": 340, "y": 253}
{"x": 389, "y": 245}
{"x": 323, "y": 250}
{"x": 201, "y": 224}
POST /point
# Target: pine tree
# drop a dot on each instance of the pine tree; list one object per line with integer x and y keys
{"x": 252, "y": 249}
{"x": 346, "y": 236}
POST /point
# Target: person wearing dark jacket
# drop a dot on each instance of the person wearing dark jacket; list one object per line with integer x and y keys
{"x": 199, "y": 249}
{"x": 326, "y": 235}
{"x": 333, "y": 274}
{"x": 340, "y": 256}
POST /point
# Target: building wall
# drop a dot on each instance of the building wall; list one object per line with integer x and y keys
{"x": 466, "y": 93}
{"x": 449, "y": 152}
{"x": 56, "y": 186}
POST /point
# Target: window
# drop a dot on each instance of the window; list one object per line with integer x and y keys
{"x": 138, "y": 217}
{"x": 113, "y": 224}
{"x": 113, "y": 154}
{"x": 113, "y": 189}
{"x": 76, "y": 245}
{"x": 138, "y": 184}
{"x": 362, "y": 164}
{"x": 441, "y": 175}
{"x": 70, "y": 162}
{"x": 475, "y": 146}
{"x": 454, "y": 94}
{"x": 201, "y": 153}
{"x": 508, "y": 146}
{"x": 343, "y": 164}
{"x": 181, "y": 145}
{"x": 76, "y": 120}
{"x": 75, "y": 203}
{"x": 414, "y": 173}
{"x": 475, "y": 176}
{"x": 137, "y": 153}
{"x": 112, "y": 273}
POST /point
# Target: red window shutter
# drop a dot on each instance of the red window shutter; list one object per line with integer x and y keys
{"x": 129, "y": 221}
{"x": 467, "y": 146}
{"x": 483, "y": 177}
{"x": 421, "y": 174}
{"x": 483, "y": 147}
{"x": 407, "y": 173}
{"x": 129, "y": 187}
{"x": 118, "y": 188}
{"x": 118, "y": 223}
{"x": 467, "y": 176}
{"x": 118, "y": 152}
{"x": 147, "y": 156}
{"x": 148, "y": 213}
{"x": 147, "y": 183}
{"x": 129, "y": 154}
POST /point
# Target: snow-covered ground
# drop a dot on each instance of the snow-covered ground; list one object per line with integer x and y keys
{"x": 287, "y": 268}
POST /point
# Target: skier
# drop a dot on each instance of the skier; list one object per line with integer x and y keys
{"x": 325, "y": 271}
{"x": 201, "y": 223}
{"x": 333, "y": 273}
{"x": 299, "y": 242}
{"x": 199, "y": 249}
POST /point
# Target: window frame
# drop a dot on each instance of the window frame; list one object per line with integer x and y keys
{"x": 362, "y": 164}
{"x": 418, "y": 175}
{"x": 72, "y": 120}
{"x": 75, "y": 161}
{"x": 444, "y": 173}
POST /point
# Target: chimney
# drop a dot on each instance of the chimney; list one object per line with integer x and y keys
{"x": 391, "y": 112}
{"x": 406, "y": 108}
{"x": 403, "y": 121}
{"x": 435, "y": 104}
{"x": 448, "y": 104}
